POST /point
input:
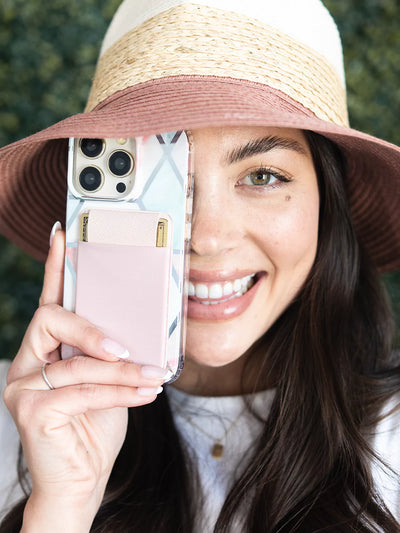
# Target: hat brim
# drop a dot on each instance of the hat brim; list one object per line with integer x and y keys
{"x": 33, "y": 171}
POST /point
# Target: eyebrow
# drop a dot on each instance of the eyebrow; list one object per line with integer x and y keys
{"x": 261, "y": 146}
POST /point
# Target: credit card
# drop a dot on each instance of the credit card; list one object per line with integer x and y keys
{"x": 124, "y": 228}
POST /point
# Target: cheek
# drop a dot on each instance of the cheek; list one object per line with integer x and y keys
{"x": 289, "y": 235}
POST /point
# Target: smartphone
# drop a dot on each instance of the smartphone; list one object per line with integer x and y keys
{"x": 128, "y": 221}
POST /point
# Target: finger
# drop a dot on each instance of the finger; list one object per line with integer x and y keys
{"x": 81, "y": 369}
{"x": 52, "y": 325}
{"x": 27, "y": 404}
{"x": 79, "y": 399}
{"x": 54, "y": 271}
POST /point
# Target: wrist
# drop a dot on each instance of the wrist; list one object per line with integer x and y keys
{"x": 46, "y": 515}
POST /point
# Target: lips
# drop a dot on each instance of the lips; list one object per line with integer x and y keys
{"x": 221, "y": 299}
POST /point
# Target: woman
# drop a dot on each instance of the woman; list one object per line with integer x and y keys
{"x": 284, "y": 418}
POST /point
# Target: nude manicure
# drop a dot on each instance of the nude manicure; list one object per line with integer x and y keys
{"x": 114, "y": 348}
{"x": 56, "y": 227}
{"x": 148, "y": 391}
{"x": 153, "y": 372}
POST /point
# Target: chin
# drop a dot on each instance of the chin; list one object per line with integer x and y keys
{"x": 222, "y": 343}
{"x": 215, "y": 352}
{"x": 211, "y": 361}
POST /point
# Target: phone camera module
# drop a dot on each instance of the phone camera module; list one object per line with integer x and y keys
{"x": 92, "y": 147}
{"x": 90, "y": 179}
{"x": 120, "y": 163}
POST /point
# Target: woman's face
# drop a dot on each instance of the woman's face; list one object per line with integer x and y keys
{"x": 254, "y": 236}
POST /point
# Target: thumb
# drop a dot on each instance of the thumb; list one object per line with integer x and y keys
{"x": 52, "y": 292}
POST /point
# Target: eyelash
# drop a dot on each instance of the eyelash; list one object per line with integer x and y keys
{"x": 280, "y": 178}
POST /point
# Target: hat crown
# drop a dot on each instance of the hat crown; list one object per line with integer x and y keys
{"x": 288, "y": 45}
{"x": 305, "y": 21}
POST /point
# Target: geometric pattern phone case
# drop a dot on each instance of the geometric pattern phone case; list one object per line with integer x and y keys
{"x": 118, "y": 278}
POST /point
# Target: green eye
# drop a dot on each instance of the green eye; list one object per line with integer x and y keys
{"x": 261, "y": 178}
{"x": 264, "y": 177}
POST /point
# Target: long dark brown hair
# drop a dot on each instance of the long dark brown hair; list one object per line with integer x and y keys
{"x": 330, "y": 358}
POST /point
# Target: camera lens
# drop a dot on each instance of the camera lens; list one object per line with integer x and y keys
{"x": 91, "y": 147}
{"x": 120, "y": 163}
{"x": 90, "y": 178}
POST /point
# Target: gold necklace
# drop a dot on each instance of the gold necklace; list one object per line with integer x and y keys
{"x": 217, "y": 448}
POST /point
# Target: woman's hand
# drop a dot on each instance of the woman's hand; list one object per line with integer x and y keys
{"x": 70, "y": 435}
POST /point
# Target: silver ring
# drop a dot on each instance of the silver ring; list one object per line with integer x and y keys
{"x": 46, "y": 379}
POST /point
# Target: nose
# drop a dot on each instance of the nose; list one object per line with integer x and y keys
{"x": 215, "y": 227}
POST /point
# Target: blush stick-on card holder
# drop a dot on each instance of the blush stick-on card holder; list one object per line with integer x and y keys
{"x": 122, "y": 279}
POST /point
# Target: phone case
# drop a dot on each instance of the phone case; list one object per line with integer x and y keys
{"x": 126, "y": 260}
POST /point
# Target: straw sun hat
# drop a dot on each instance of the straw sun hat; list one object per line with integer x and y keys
{"x": 177, "y": 64}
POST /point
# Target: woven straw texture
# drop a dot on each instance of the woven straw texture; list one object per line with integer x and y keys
{"x": 198, "y": 40}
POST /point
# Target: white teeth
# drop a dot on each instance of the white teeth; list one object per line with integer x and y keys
{"x": 215, "y": 291}
{"x": 237, "y": 285}
{"x": 228, "y": 289}
{"x": 201, "y": 290}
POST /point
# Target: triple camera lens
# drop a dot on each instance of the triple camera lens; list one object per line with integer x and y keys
{"x": 120, "y": 163}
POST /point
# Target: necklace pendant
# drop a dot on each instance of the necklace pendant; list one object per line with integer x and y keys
{"x": 217, "y": 450}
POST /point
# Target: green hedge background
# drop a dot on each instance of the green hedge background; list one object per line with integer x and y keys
{"x": 48, "y": 51}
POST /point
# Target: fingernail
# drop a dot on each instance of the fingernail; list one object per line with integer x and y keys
{"x": 114, "y": 348}
{"x": 153, "y": 372}
{"x": 56, "y": 227}
{"x": 148, "y": 391}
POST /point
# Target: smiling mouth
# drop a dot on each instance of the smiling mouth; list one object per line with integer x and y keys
{"x": 213, "y": 293}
